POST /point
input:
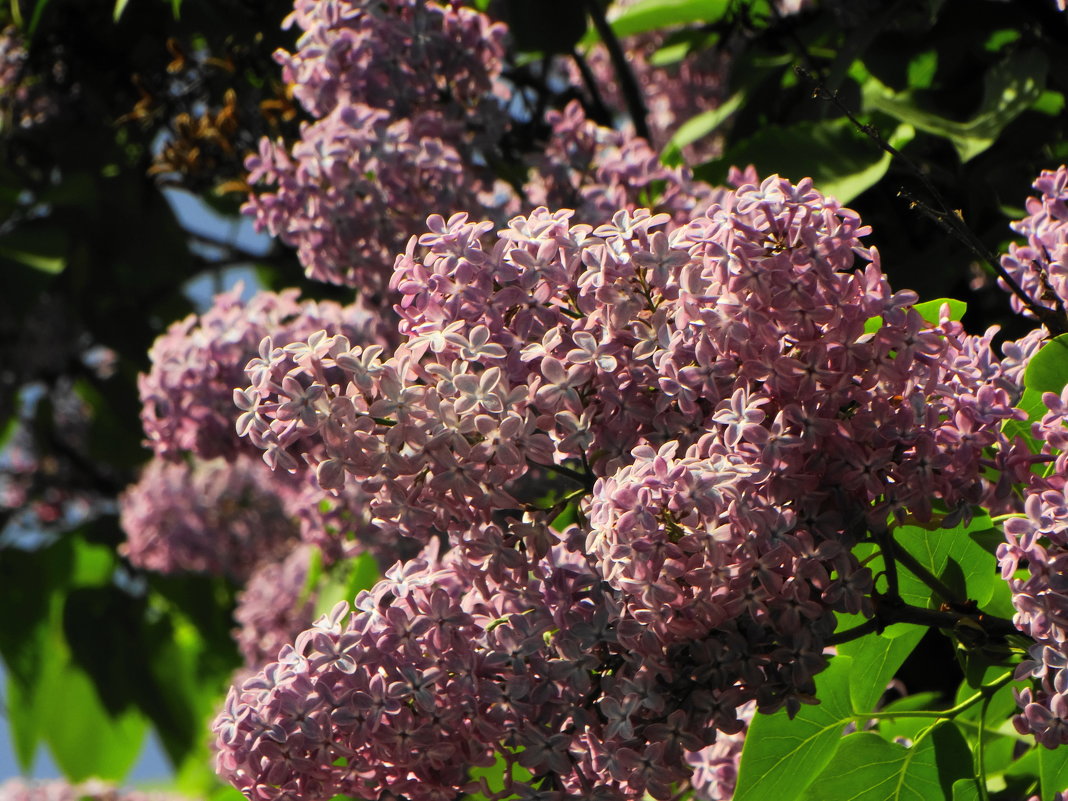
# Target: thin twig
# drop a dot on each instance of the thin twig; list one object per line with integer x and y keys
{"x": 950, "y": 220}
{"x": 585, "y": 479}
{"x": 599, "y": 111}
{"x": 923, "y": 574}
{"x": 632, "y": 94}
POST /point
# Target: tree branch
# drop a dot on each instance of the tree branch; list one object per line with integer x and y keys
{"x": 627, "y": 84}
{"x": 950, "y": 220}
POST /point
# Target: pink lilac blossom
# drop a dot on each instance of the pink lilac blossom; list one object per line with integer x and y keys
{"x": 24, "y": 102}
{"x": 673, "y": 93}
{"x": 1034, "y": 560}
{"x": 216, "y": 517}
{"x": 1040, "y": 265}
{"x": 598, "y": 171}
{"x": 712, "y": 403}
{"x": 715, "y": 768}
{"x": 392, "y": 136}
{"x": 694, "y": 83}
{"x": 274, "y": 607}
{"x": 187, "y": 395}
{"x": 189, "y": 418}
{"x": 391, "y": 140}
{"x": 431, "y": 674}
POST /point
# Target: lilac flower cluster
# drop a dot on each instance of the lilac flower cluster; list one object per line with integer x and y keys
{"x": 24, "y": 102}
{"x": 1040, "y": 265}
{"x": 187, "y": 395}
{"x": 437, "y": 671}
{"x": 1037, "y": 540}
{"x": 392, "y": 137}
{"x": 725, "y": 406}
{"x": 391, "y": 141}
{"x": 673, "y": 93}
{"x": 275, "y": 606}
{"x": 598, "y": 171}
{"x": 207, "y": 503}
{"x": 217, "y": 517}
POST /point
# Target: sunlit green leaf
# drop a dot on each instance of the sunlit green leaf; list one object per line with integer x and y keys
{"x": 841, "y": 161}
{"x": 1009, "y": 89}
{"x": 868, "y": 768}
{"x": 1047, "y": 371}
{"x": 953, "y": 557}
{"x": 1050, "y": 103}
{"x": 875, "y": 661}
{"x": 930, "y": 310}
{"x": 653, "y": 15}
{"x": 699, "y": 127}
{"x": 344, "y": 580}
{"x": 922, "y": 69}
{"x": 1052, "y": 771}
{"x": 907, "y": 728}
{"x": 84, "y": 739}
{"x": 965, "y": 790}
{"x": 781, "y": 756}
{"x": 494, "y": 776}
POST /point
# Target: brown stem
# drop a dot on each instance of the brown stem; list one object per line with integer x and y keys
{"x": 951, "y": 221}
{"x": 627, "y": 84}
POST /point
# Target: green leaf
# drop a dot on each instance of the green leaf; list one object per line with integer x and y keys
{"x": 494, "y": 776}
{"x": 841, "y": 161}
{"x": 39, "y": 244}
{"x": 868, "y": 768}
{"x": 84, "y": 739}
{"x": 965, "y": 790}
{"x": 698, "y": 127}
{"x": 1009, "y": 89}
{"x": 953, "y": 556}
{"x": 929, "y": 310}
{"x": 120, "y": 6}
{"x": 344, "y": 581}
{"x": 35, "y": 18}
{"x": 922, "y": 69}
{"x": 53, "y": 265}
{"x": 875, "y": 661}
{"x": 23, "y": 723}
{"x": 653, "y": 15}
{"x": 1031, "y": 403}
{"x": 1050, "y": 103}
{"x": 1052, "y": 771}
{"x": 1048, "y": 369}
{"x": 907, "y": 727}
{"x": 782, "y": 757}
{"x": 566, "y": 518}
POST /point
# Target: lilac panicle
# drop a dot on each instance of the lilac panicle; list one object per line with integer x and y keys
{"x": 713, "y": 403}
{"x": 187, "y": 395}
{"x": 216, "y": 517}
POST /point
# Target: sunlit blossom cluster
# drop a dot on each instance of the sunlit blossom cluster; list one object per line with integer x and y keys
{"x": 391, "y": 141}
{"x": 391, "y": 136}
{"x": 438, "y": 670}
{"x": 1040, "y": 264}
{"x": 722, "y": 407}
{"x": 598, "y": 171}
{"x": 187, "y": 395}
{"x": 1034, "y": 560}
